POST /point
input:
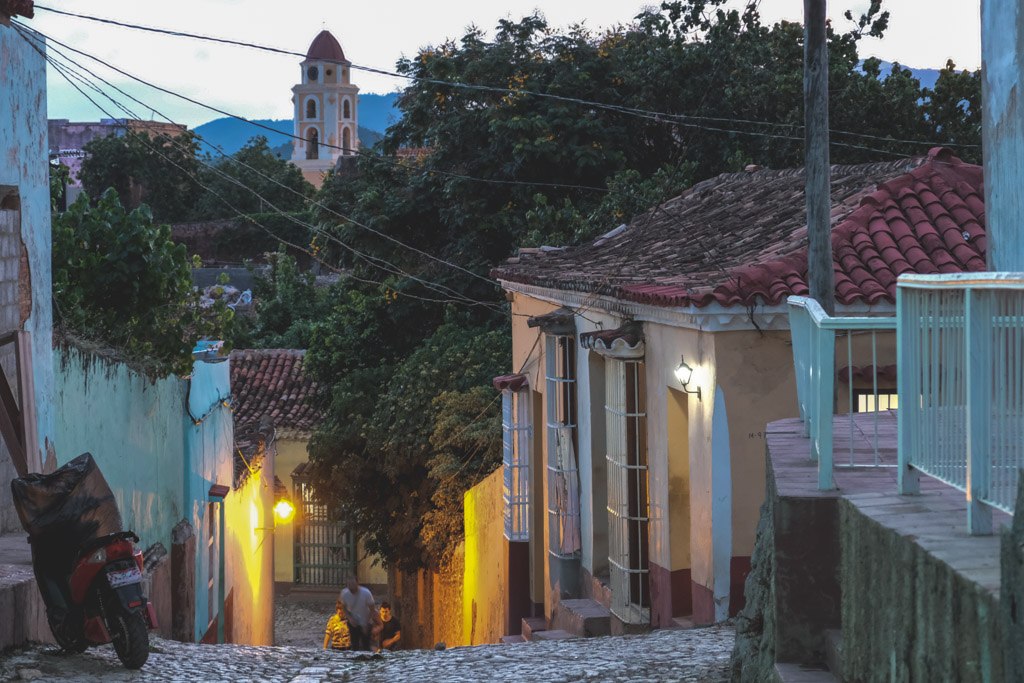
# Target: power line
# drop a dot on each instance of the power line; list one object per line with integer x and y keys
{"x": 642, "y": 113}
{"x": 320, "y": 205}
{"x": 391, "y": 268}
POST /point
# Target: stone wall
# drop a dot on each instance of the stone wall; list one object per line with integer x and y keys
{"x": 753, "y": 657}
{"x": 908, "y": 615}
{"x": 429, "y": 604}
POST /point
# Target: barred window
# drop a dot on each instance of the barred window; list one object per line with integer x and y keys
{"x": 563, "y": 473}
{"x": 516, "y": 434}
{"x": 628, "y": 503}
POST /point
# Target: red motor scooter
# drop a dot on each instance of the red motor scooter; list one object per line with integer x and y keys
{"x": 107, "y": 603}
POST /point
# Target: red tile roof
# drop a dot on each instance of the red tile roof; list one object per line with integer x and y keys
{"x": 271, "y": 382}
{"x": 741, "y": 238}
{"x": 325, "y": 47}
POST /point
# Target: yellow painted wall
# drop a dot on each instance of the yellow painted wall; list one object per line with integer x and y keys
{"x": 485, "y": 572}
{"x": 290, "y": 453}
{"x": 672, "y": 530}
{"x": 250, "y": 560}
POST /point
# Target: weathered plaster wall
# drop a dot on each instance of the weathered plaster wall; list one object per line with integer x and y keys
{"x": 24, "y": 168}
{"x": 290, "y": 453}
{"x": 683, "y": 531}
{"x": 134, "y": 429}
{"x": 1002, "y": 60}
{"x": 209, "y": 449}
{"x": 429, "y": 604}
{"x": 250, "y": 532}
{"x": 485, "y": 570}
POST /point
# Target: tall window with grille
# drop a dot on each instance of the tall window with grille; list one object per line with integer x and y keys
{"x": 563, "y": 473}
{"x": 628, "y": 504}
{"x": 516, "y": 436}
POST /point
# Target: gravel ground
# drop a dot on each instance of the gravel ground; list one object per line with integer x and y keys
{"x": 692, "y": 656}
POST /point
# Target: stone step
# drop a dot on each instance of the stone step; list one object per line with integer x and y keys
{"x": 533, "y": 625}
{"x": 834, "y": 652}
{"x": 801, "y": 673}
{"x": 554, "y": 634}
{"x": 683, "y": 622}
{"x": 582, "y": 617}
{"x": 512, "y": 640}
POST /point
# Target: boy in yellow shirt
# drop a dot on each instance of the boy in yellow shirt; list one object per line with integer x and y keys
{"x": 337, "y": 634}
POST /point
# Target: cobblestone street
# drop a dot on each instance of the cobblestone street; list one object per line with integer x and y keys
{"x": 670, "y": 655}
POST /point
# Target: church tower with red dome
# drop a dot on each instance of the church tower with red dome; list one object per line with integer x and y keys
{"x": 326, "y": 109}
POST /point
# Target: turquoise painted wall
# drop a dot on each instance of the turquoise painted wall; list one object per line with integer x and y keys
{"x": 158, "y": 461}
{"x": 134, "y": 429}
{"x": 23, "y": 149}
{"x": 209, "y": 448}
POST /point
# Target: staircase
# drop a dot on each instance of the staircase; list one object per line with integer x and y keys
{"x": 829, "y": 672}
{"x": 583, "y": 618}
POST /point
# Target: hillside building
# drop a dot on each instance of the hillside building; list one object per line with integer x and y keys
{"x": 326, "y": 109}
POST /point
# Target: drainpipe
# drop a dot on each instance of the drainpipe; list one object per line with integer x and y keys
{"x": 217, "y": 494}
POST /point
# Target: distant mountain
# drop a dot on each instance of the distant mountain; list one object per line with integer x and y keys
{"x": 376, "y": 113}
{"x": 927, "y": 77}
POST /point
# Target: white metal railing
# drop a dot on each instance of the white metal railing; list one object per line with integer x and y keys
{"x": 961, "y": 386}
{"x": 563, "y": 471}
{"x": 814, "y": 334}
{"x": 516, "y": 436}
{"x": 628, "y": 500}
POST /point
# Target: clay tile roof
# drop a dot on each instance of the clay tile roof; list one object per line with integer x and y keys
{"x": 511, "y": 382}
{"x": 741, "y": 238}
{"x": 271, "y": 383}
{"x": 326, "y": 48}
{"x": 629, "y": 336}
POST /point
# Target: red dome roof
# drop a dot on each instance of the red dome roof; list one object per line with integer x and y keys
{"x": 325, "y": 47}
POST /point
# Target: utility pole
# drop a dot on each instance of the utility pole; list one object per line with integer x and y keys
{"x": 816, "y": 164}
{"x": 1002, "y": 129}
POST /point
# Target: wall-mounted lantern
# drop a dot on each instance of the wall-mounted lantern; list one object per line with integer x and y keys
{"x": 684, "y": 373}
{"x": 284, "y": 510}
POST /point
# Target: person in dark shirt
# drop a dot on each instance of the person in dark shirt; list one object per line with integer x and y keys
{"x": 390, "y": 629}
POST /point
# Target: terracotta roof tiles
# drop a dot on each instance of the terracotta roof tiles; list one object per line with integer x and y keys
{"x": 271, "y": 383}
{"x": 741, "y": 238}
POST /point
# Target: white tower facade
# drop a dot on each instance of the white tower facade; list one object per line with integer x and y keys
{"x": 326, "y": 109}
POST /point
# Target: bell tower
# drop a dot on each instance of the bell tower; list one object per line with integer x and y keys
{"x": 326, "y": 109}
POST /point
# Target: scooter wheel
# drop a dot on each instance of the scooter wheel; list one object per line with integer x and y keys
{"x": 130, "y": 635}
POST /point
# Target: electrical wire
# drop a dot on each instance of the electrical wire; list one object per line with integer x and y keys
{"x": 643, "y": 113}
{"x": 461, "y": 299}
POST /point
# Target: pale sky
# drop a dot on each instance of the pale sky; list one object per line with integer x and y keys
{"x": 922, "y": 34}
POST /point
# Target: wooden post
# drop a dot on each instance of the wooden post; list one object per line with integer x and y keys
{"x": 1002, "y": 129}
{"x": 183, "y": 582}
{"x": 820, "y": 278}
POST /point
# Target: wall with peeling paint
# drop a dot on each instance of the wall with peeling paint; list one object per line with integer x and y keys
{"x": 24, "y": 187}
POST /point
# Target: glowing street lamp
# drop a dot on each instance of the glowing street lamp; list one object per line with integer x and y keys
{"x": 684, "y": 373}
{"x": 284, "y": 510}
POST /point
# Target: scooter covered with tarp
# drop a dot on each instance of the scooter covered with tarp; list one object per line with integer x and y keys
{"x": 87, "y": 566}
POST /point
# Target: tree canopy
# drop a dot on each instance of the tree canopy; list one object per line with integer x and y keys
{"x": 405, "y": 345}
{"x": 119, "y": 280}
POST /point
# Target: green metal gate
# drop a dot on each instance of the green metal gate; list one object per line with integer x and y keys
{"x": 325, "y": 552}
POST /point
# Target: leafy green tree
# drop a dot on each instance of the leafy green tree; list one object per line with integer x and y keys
{"x": 289, "y": 303}
{"x": 395, "y": 433}
{"x": 252, "y": 170}
{"x": 157, "y": 170}
{"x": 119, "y": 280}
{"x": 506, "y": 169}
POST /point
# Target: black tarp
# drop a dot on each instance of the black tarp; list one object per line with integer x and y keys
{"x": 62, "y": 512}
